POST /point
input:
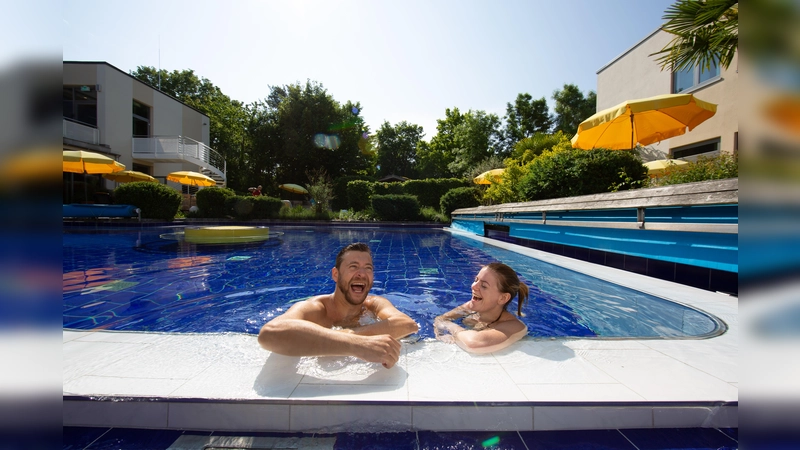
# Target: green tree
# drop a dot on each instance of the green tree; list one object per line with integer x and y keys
{"x": 309, "y": 130}
{"x": 524, "y": 118}
{"x": 435, "y": 158}
{"x": 706, "y": 32}
{"x": 228, "y": 118}
{"x": 476, "y": 138}
{"x": 397, "y": 148}
{"x": 533, "y": 146}
{"x": 572, "y": 108}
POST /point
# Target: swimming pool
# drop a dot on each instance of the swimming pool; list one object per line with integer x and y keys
{"x": 133, "y": 280}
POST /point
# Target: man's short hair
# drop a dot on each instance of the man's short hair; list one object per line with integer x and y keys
{"x": 354, "y": 247}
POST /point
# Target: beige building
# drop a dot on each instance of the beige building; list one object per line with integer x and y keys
{"x": 635, "y": 74}
{"x": 108, "y": 111}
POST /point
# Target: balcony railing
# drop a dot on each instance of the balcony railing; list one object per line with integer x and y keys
{"x": 179, "y": 148}
{"x": 80, "y": 132}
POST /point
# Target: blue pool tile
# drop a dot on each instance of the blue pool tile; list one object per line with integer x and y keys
{"x": 376, "y": 441}
{"x": 134, "y": 439}
{"x": 80, "y": 437}
{"x": 470, "y": 440}
{"x": 581, "y": 439}
{"x": 733, "y": 433}
{"x": 680, "y": 438}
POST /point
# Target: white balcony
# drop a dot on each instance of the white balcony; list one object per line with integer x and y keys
{"x": 80, "y": 132}
{"x": 178, "y": 149}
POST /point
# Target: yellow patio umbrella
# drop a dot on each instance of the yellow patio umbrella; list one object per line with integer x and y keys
{"x": 81, "y": 161}
{"x": 128, "y": 176}
{"x": 294, "y": 188}
{"x": 644, "y": 121}
{"x": 191, "y": 178}
{"x": 489, "y": 177}
{"x": 84, "y": 162}
{"x": 660, "y": 166}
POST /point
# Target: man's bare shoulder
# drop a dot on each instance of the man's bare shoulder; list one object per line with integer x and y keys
{"x": 308, "y": 309}
{"x": 375, "y": 301}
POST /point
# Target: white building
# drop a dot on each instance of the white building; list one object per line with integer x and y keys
{"x": 108, "y": 111}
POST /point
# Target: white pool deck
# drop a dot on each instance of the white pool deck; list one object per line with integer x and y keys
{"x": 226, "y": 382}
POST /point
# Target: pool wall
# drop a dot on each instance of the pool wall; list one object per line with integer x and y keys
{"x": 686, "y": 233}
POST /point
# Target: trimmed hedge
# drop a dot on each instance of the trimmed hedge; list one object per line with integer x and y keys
{"x": 358, "y": 194}
{"x": 463, "y": 197}
{"x": 211, "y": 201}
{"x": 339, "y": 200}
{"x": 384, "y": 188}
{"x": 396, "y": 207}
{"x": 248, "y": 207}
{"x": 156, "y": 200}
{"x": 429, "y": 192}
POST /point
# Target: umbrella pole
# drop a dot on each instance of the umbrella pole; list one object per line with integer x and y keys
{"x": 631, "y": 131}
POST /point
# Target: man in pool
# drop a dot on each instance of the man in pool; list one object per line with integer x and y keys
{"x": 336, "y": 324}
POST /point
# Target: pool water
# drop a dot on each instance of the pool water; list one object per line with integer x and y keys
{"x": 136, "y": 281}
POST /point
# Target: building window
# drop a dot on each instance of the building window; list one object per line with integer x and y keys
{"x": 705, "y": 148}
{"x": 142, "y": 168}
{"x": 693, "y": 76}
{"x": 80, "y": 104}
{"x": 141, "y": 119}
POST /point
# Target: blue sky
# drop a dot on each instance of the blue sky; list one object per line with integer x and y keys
{"x": 403, "y": 60}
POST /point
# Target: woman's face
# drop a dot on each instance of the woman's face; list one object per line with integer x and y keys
{"x": 485, "y": 291}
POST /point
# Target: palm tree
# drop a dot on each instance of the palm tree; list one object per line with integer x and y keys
{"x": 706, "y": 32}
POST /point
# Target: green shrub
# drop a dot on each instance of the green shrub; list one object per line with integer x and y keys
{"x": 714, "y": 168}
{"x": 211, "y": 201}
{"x": 300, "y": 213}
{"x": 358, "y": 194}
{"x": 433, "y": 215}
{"x": 339, "y": 200}
{"x": 568, "y": 172}
{"x": 349, "y": 215}
{"x": 156, "y": 200}
{"x": 396, "y": 207}
{"x": 383, "y": 188}
{"x": 240, "y": 206}
{"x": 463, "y": 197}
{"x": 429, "y": 192}
{"x": 266, "y": 207}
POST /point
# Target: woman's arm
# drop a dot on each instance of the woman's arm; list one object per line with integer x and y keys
{"x": 492, "y": 339}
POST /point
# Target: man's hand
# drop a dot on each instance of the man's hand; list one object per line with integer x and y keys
{"x": 381, "y": 348}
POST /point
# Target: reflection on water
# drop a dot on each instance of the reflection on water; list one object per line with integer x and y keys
{"x": 135, "y": 281}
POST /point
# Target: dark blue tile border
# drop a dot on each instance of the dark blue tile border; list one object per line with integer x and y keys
{"x": 680, "y": 438}
{"x": 581, "y": 439}
{"x": 699, "y": 277}
{"x": 629, "y": 439}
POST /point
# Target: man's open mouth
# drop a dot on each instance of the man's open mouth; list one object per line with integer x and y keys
{"x": 358, "y": 288}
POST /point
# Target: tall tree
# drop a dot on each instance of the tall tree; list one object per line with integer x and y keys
{"x": 316, "y": 132}
{"x": 434, "y": 158}
{"x": 525, "y": 117}
{"x": 706, "y": 32}
{"x": 476, "y": 138}
{"x": 397, "y": 148}
{"x": 572, "y": 108}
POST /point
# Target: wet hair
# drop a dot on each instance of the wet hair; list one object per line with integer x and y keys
{"x": 509, "y": 284}
{"x": 354, "y": 247}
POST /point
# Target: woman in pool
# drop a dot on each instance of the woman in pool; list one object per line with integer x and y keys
{"x": 486, "y": 325}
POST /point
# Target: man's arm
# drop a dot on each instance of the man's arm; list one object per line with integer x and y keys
{"x": 299, "y": 332}
{"x": 391, "y": 320}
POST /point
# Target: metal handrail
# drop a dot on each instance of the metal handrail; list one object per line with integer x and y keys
{"x": 182, "y": 147}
